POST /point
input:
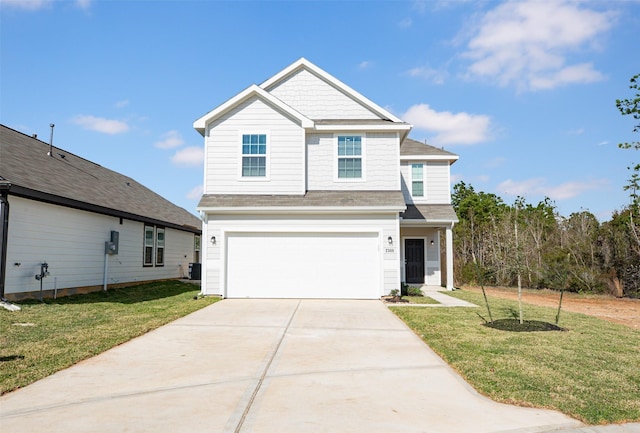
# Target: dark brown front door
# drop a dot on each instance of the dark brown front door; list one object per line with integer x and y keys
{"x": 414, "y": 259}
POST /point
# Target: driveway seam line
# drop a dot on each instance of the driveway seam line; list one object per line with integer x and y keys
{"x": 265, "y": 371}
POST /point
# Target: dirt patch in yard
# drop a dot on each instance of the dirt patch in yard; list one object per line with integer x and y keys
{"x": 624, "y": 311}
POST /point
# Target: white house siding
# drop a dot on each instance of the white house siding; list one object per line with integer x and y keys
{"x": 72, "y": 243}
{"x": 380, "y": 175}
{"x": 437, "y": 186}
{"x": 285, "y": 152}
{"x": 317, "y": 99}
{"x": 222, "y": 226}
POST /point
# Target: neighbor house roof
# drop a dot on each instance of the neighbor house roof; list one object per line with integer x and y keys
{"x": 429, "y": 213}
{"x": 313, "y": 200}
{"x": 66, "y": 179}
{"x": 413, "y": 148}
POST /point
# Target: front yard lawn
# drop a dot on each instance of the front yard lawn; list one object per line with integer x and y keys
{"x": 46, "y": 337}
{"x": 589, "y": 370}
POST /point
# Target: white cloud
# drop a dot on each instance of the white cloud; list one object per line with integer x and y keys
{"x": 405, "y": 23}
{"x": 170, "y": 140}
{"x": 450, "y": 128}
{"x": 100, "y": 124}
{"x": 527, "y": 44}
{"x": 365, "y": 64}
{"x": 83, "y": 4}
{"x": 123, "y": 103}
{"x": 495, "y": 162}
{"x": 538, "y": 186}
{"x": 578, "y": 131}
{"x": 189, "y": 156}
{"x": 434, "y": 75}
{"x": 31, "y": 5}
{"x": 195, "y": 193}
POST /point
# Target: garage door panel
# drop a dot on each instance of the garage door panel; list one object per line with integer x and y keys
{"x": 303, "y": 265}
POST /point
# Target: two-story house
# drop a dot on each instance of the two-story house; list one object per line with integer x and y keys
{"x": 311, "y": 190}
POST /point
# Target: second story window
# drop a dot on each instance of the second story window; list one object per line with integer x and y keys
{"x": 349, "y": 157}
{"x": 254, "y": 155}
{"x": 417, "y": 180}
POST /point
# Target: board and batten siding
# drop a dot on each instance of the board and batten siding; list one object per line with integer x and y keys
{"x": 223, "y": 151}
{"x": 317, "y": 99}
{"x": 72, "y": 241}
{"x": 219, "y": 225}
{"x": 437, "y": 186}
{"x": 379, "y": 159}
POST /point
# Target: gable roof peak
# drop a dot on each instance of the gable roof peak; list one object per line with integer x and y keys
{"x": 305, "y": 64}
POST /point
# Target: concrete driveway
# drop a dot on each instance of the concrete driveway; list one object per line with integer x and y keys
{"x": 268, "y": 366}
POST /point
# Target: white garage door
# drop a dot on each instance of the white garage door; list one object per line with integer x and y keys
{"x": 303, "y": 265}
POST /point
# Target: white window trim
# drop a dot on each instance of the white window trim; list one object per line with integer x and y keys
{"x": 145, "y": 246}
{"x": 363, "y": 157}
{"x": 267, "y": 176}
{"x": 158, "y": 247}
{"x": 424, "y": 180}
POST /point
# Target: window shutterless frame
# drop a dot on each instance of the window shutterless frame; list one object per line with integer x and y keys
{"x": 148, "y": 245}
{"x": 160, "y": 246}
{"x": 349, "y": 157}
{"x": 417, "y": 180}
{"x": 254, "y": 156}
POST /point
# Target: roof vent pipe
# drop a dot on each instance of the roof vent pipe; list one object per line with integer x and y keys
{"x": 51, "y": 140}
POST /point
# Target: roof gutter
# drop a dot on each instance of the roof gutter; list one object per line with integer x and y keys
{"x": 5, "y": 186}
{"x": 275, "y": 210}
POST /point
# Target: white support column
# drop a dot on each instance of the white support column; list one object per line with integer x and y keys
{"x": 204, "y": 253}
{"x": 449, "y": 244}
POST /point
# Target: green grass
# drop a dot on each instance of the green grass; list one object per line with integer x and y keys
{"x": 43, "y": 338}
{"x": 589, "y": 370}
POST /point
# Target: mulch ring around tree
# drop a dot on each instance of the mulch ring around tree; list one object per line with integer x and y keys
{"x": 514, "y": 325}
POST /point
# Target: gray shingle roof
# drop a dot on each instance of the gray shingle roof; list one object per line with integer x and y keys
{"x": 310, "y": 199}
{"x": 430, "y": 212}
{"x": 70, "y": 180}
{"x": 413, "y": 147}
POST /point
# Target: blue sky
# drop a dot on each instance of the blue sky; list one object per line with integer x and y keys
{"x": 523, "y": 91}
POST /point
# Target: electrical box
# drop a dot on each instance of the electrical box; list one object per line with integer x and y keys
{"x": 111, "y": 246}
{"x": 115, "y": 237}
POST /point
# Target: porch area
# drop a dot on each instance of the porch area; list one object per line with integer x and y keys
{"x": 426, "y": 254}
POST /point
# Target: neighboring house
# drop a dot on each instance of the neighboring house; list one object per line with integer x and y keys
{"x": 61, "y": 209}
{"x": 313, "y": 191}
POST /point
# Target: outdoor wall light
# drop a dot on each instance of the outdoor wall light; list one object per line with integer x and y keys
{"x": 390, "y": 240}
{"x": 432, "y": 242}
{"x": 213, "y": 240}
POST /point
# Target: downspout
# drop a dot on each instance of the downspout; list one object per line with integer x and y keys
{"x": 5, "y": 186}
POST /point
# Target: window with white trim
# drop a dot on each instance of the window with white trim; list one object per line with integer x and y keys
{"x": 349, "y": 157}
{"x": 153, "y": 246}
{"x": 159, "y": 246}
{"x": 148, "y": 246}
{"x": 254, "y": 155}
{"x": 417, "y": 180}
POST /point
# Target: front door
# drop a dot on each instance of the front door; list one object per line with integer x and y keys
{"x": 414, "y": 260}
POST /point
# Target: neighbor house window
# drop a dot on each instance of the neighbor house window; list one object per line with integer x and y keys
{"x": 349, "y": 157}
{"x": 254, "y": 155}
{"x": 159, "y": 246}
{"x": 148, "y": 245}
{"x": 417, "y": 180}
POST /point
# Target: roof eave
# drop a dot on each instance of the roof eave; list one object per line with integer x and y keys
{"x": 451, "y": 158}
{"x": 300, "y": 209}
{"x": 200, "y": 124}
